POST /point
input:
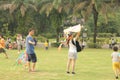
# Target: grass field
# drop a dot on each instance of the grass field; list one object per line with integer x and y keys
{"x": 92, "y": 64}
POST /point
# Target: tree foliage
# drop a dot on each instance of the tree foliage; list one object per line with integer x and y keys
{"x": 51, "y": 16}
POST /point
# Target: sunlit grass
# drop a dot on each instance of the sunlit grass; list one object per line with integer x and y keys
{"x": 92, "y": 64}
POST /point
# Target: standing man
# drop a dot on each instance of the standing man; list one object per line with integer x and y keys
{"x": 30, "y": 50}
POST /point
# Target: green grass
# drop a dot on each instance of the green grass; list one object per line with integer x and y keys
{"x": 92, "y": 64}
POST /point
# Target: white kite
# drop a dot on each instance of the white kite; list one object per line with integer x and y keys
{"x": 76, "y": 28}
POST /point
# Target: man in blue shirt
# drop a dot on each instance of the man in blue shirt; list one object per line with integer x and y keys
{"x": 30, "y": 50}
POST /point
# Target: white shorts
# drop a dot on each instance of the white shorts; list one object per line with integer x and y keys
{"x": 72, "y": 55}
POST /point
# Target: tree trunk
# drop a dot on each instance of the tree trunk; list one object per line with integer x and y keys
{"x": 57, "y": 36}
{"x": 95, "y": 17}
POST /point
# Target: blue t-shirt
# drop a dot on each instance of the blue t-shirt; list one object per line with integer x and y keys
{"x": 29, "y": 47}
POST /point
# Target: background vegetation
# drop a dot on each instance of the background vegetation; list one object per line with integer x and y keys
{"x": 50, "y": 17}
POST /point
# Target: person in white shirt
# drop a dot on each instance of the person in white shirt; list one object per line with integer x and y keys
{"x": 116, "y": 61}
{"x": 72, "y": 52}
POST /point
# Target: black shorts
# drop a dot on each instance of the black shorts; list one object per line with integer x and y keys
{"x": 2, "y": 50}
{"x": 32, "y": 57}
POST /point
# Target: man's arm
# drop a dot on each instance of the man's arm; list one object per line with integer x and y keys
{"x": 31, "y": 42}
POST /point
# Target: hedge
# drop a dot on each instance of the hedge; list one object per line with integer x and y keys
{"x": 56, "y": 44}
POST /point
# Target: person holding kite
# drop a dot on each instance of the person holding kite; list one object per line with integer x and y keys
{"x": 30, "y": 50}
{"x": 71, "y": 42}
{"x": 72, "y": 53}
{"x": 2, "y": 46}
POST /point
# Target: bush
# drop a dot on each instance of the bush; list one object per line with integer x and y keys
{"x": 56, "y": 44}
{"x": 49, "y": 35}
{"x": 14, "y": 37}
{"x": 100, "y": 40}
{"x": 105, "y": 35}
{"x": 94, "y": 45}
{"x": 108, "y": 35}
{"x": 41, "y": 38}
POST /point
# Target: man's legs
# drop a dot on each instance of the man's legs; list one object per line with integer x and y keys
{"x": 29, "y": 67}
{"x": 34, "y": 60}
{"x": 33, "y": 66}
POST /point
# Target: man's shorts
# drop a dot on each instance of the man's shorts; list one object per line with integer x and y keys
{"x": 2, "y": 50}
{"x": 116, "y": 65}
{"x": 32, "y": 57}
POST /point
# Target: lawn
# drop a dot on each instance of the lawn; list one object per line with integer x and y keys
{"x": 92, "y": 64}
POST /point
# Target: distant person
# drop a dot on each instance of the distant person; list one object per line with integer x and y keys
{"x": 30, "y": 50}
{"x": 14, "y": 45}
{"x": 83, "y": 44}
{"x": 116, "y": 61}
{"x": 9, "y": 40}
{"x": 113, "y": 42}
{"x": 2, "y": 46}
{"x": 19, "y": 42}
{"x": 7, "y": 43}
{"x": 72, "y": 53}
{"x": 110, "y": 45}
{"x": 10, "y": 46}
{"x": 46, "y": 44}
{"x": 23, "y": 44}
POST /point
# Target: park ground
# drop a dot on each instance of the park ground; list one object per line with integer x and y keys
{"x": 92, "y": 64}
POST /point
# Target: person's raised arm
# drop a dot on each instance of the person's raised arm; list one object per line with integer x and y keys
{"x": 77, "y": 35}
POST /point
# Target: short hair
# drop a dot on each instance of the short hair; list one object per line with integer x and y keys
{"x": 1, "y": 36}
{"x": 30, "y": 29}
{"x": 115, "y": 48}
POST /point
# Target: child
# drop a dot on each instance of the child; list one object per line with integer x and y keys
{"x": 2, "y": 46}
{"x": 46, "y": 44}
{"x": 25, "y": 59}
{"x": 115, "y": 61}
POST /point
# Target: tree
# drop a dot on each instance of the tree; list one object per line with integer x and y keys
{"x": 22, "y": 5}
{"x": 55, "y": 13}
{"x": 95, "y": 16}
{"x": 17, "y": 10}
{"x": 96, "y": 8}
{"x": 50, "y": 15}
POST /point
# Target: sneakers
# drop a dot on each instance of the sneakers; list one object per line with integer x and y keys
{"x": 73, "y": 72}
{"x": 69, "y": 72}
{"x": 116, "y": 77}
